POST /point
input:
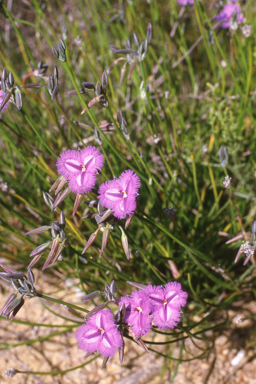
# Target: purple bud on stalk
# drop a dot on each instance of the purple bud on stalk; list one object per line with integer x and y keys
{"x": 91, "y": 296}
{"x": 60, "y": 185}
{"x": 90, "y": 240}
{"x": 54, "y": 247}
{"x": 61, "y": 197}
{"x": 125, "y": 244}
{"x": 38, "y": 230}
{"x": 79, "y": 198}
{"x": 40, "y": 249}
{"x": 105, "y": 236}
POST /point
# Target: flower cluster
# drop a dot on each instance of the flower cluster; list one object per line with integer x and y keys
{"x": 79, "y": 169}
{"x": 154, "y": 305}
{"x": 230, "y": 15}
{"x": 185, "y": 2}
{"x": 149, "y": 306}
{"x": 116, "y": 198}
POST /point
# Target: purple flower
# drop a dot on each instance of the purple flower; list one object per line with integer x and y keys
{"x": 166, "y": 302}
{"x": 80, "y": 167}
{"x": 120, "y": 194}
{"x": 229, "y": 12}
{"x": 186, "y": 2}
{"x": 100, "y": 334}
{"x": 137, "y": 311}
{"x": 1, "y": 99}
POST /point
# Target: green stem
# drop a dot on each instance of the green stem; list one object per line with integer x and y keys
{"x": 61, "y": 302}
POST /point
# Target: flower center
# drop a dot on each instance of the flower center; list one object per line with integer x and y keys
{"x": 83, "y": 168}
{"x": 124, "y": 193}
{"x": 139, "y": 309}
{"x": 165, "y": 302}
{"x": 101, "y": 330}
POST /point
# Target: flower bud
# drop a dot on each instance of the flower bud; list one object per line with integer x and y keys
{"x": 125, "y": 244}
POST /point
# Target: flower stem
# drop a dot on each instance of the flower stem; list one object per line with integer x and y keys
{"x": 61, "y": 302}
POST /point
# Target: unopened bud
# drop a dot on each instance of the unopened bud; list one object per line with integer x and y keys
{"x": 125, "y": 244}
{"x": 40, "y": 249}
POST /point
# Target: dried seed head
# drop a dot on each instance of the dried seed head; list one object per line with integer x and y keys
{"x": 10, "y": 372}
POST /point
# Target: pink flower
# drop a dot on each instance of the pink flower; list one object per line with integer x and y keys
{"x": 137, "y": 311}
{"x": 186, "y": 2}
{"x": 120, "y": 194}
{"x": 80, "y": 167}
{"x": 230, "y": 12}
{"x": 100, "y": 334}
{"x": 1, "y": 99}
{"x": 166, "y": 302}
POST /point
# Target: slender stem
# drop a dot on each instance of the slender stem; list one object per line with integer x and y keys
{"x": 238, "y": 213}
{"x": 61, "y": 302}
{"x": 53, "y": 373}
{"x": 72, "y": 126}
{"x": 32, "y": 125}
